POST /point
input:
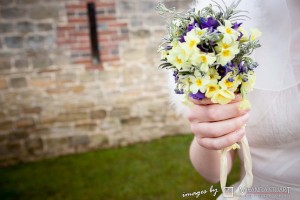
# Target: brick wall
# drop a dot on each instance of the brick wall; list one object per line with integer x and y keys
{"x": 53, "y": 101}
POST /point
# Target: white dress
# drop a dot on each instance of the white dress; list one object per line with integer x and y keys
{"x": 274, "y": 140}
{"x": 273, "y": 131}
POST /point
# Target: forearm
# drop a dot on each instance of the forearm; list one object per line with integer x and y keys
{"x": 207, "y": 162}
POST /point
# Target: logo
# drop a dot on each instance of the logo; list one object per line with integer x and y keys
{"x": 228, "y": 192}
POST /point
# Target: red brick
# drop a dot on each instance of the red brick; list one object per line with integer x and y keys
{"x": 78, "y": 6}
{"x": 82, "y": 20}
{"x": 106, "y": 18}
{"x": 84, "y": 61}
{"x": 105, "y": 5}
{"x": 117, "y": 24}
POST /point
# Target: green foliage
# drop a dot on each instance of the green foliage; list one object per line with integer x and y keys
{"x": 157, "y": 170}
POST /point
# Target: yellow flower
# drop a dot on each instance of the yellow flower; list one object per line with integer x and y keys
{"x": 202, "y": 60}
{"x": 226, "y": 55}
{"x": 245, "y": 105}
{"x": 255, "y": 33}
{"x": 178, "y": 57}
{"x": 200, "y": 32}
{"x": 245, "y": 36}
{"x": 223, "y": 96}
{"x": 249, "y": 84}
{"x": 230, "y": 35}
{"x": 198, "y": 83}
{"x": 212, "y": 89}
{"x": 222, "y": 46}
{"x": 229, "y": 85}
{"x": 213, "y": 75}
{"x": 191, "y": 42}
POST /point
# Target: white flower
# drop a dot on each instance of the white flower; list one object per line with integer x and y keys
{"x": 230, "y": 85}
{"x": 191, "y": 42}
{"x": 199, "y": 84}
{"x": 178, "y": 57}
{"x": 230, "y": 35}
{"x": 226, "y": 55}
{"x": 203, "y": 60}
{"x": 255, "y": 33}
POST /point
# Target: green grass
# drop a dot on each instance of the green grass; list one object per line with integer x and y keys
{"x": 157, "y": 170}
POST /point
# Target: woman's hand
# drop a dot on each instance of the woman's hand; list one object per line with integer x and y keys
{"x": 217, "y": 126}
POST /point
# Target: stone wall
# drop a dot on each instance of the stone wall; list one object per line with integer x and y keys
{"x": 54, "y": 101}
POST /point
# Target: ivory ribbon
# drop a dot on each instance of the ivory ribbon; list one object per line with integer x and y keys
{"x": 248, "y": 178}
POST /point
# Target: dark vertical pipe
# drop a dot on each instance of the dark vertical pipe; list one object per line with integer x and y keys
{"x": 93, "y": 33}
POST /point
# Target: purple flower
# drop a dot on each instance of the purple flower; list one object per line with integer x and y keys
{"x": 177, "y": 91}
{"x": 223, "y": 70}
{"x": 236, "y": 25}
{"x": 182, "y": 38}
{"x": 241, "y": 35}
{"x": 189, "y": 28}
{"x": 198, "y": 96}
{"x": 241, "y": 68}
{"x": 209, "y": 23}
{"x": 176, "y": 77}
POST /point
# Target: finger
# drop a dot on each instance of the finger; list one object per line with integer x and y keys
{"x": 220, "y": 128}
{"x": 222, "y": 142}
{"x": 207, "y": 101}
{"x": 215, "y": 112}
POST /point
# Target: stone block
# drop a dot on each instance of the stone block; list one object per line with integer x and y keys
{"x": 68, "y": 117}
{"x": 6, "y": 27}
{"x": 126, "y": 6}
{"x": 6, "y": 125}
{"x": 32, "y": 110}
{"x": 32, "y": 2}
{"x": 78, "y": 89}
{"x": 41, "y": 62}
{"x": 2, "y": 116}
{"x": 18, "y": 135}
{"x": 98, "y": 114}
{"x": 21, "y": 63}
{"x": 111, "y": 124}
{"x": 14, "y": 41}
{"x": 13, "y": 12}
{"x": 147, "y": 6}
{"x": 34, "y": 146}
{"x": 25, "y": 27}
{"x": 74, "y": 107}
{"x": 79, "y": 140}
{"x": 44, "y": 12}
{"x": 98, "y": 140}
{"x": 45, "y": 27}
{"x": 3, "y": 84}
{"x": 88, "y": 126}
{"x": 142, "y": 33}
{"x": 14, "y": 147}
{"x": 57, "y": 145}
{"x": 6, "y": 2}
{"x": 132, "y": 121}
{"x": 66, "y": 78}
{"x": 19, "y": 82}
{"x": 120, "y": 112}
{"x": 25, "y": 123}
{"x": 41, "y": 81}
{"x": 5, "y": 65}
{"x": 38, "y": 41}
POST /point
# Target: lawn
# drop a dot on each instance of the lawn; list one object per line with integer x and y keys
{"x": 156, "y": 170}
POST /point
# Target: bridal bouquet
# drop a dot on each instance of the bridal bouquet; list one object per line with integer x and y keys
{"x": 208, "y": 51}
